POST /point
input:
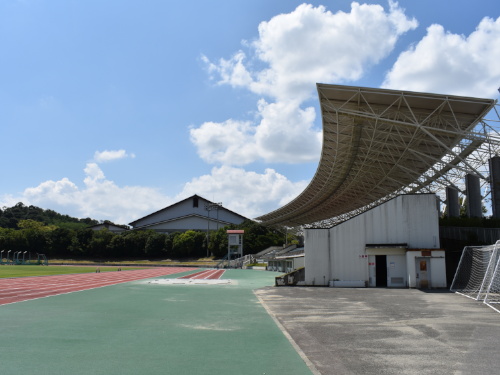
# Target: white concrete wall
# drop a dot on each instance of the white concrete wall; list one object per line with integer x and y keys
{"x": 386, "y": 223}
{"x": 339, "y": 253}
{"x": 396, "y": 269}
{"x": 438, "y": 270}
{"x": 318, "y": 262}
{"x": 298, "y": 262}
{"x": 347, "y": 244}
{"x": 437, "y": 266}
{"x": 423, "y": 221}
{"x": 411, "y": 268}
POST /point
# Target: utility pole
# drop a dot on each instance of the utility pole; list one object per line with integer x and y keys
{"x": 210, "y": 207}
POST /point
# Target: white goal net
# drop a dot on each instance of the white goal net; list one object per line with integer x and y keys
{"x": 492, "y": 298}
{"x": 478, "y": 274}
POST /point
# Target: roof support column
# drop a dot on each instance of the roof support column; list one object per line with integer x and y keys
{"x": 473, "y": 190}
{"x": 495, "y": 186}
{"x": 452, "y": 203}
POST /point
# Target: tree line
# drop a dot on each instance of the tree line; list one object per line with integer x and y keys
{"x": 10, "y": 217}
{"x": 55, "y": 239}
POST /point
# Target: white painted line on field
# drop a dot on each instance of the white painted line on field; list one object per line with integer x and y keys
{"x": 192, "y": 282}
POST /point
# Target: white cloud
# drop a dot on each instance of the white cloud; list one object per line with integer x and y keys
{"x": 99, "y": 198}
{"x": 110, "y": 155}
{"x": 248, "y": 193}
{"x": 312, "y": 45}
{"x": 448, "y": 63}
{"x": 231, "y": 71}
{"x": 94, "y": 174}
{"x": 229, "y": 142}
{"x": 284, "y": 134}
{"x": 297, "y": 49}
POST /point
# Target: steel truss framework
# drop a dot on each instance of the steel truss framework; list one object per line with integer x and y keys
{"x": 380, "y": 143}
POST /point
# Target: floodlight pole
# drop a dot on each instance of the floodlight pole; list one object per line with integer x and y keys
{"x": 209, "y": 207}
{"x": 208, "y": 228}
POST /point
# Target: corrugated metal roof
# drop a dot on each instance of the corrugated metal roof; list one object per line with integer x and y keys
{"x": 377, "y": 143}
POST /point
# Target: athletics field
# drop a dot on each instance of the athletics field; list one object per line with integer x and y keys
{"x": 144, "y": 323}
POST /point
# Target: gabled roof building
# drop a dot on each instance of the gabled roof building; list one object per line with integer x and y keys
{"x": 193, "y": 213}
{"x": 109, "y": 226}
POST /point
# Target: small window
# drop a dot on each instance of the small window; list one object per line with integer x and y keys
{"x": 195, "y": 202}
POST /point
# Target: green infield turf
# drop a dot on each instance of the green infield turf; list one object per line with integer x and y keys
{"x": 149, "y": 329}
{"x": 23, "y": 271}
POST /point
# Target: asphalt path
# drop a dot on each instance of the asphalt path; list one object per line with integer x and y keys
{"x": 387, "y": 331}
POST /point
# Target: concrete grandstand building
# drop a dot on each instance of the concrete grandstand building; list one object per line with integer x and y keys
{"x": 395, "y": 244}
{"x": 193, "y": 213}
{"x": 364, "y": 223}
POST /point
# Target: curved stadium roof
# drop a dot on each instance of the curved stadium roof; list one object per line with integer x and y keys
{"x": 378, "y": 143}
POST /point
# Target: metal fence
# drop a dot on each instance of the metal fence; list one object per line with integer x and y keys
{"x": 483, "y": 235}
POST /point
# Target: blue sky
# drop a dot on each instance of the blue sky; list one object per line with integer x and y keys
{"x": 114, "y": 109}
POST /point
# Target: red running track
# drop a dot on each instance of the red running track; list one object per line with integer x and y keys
{"x": 26, "y": 288}
{"x": 208, "y": 274}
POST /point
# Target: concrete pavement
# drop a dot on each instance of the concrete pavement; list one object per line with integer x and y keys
{"x": 388, "y": 331}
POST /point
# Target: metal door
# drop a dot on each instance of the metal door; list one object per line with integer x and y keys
{"x": 423, "y": 273}
{"x": 381, "y": 270}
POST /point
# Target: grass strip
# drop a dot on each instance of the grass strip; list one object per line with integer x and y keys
{"x": 138, "y": 262}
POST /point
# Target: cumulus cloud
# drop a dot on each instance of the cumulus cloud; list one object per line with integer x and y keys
{"x": 231, "y": 71}
{"x": 312, "y": 44}
{"x": 110, "y": 155}
{"x": 248, "y": 193}
{"x": 99, "y": 198}
{"x": 285, "y": 133}
{"x": 448, "y": 63}
{"x": 296, "y": 50}
{"x": 229, "y": 142}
